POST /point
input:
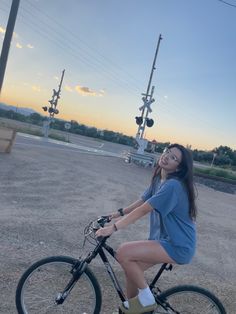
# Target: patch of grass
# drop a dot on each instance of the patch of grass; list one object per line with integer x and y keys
{"x": 58, "y": 137}
{"x": 29, "y": 131}
{"x": 214, "y": 172}
{"x": 32, "y": 130}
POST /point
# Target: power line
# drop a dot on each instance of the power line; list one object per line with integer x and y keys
{"x": 55, "y": 38}
{"x": 87, "y": 51}
{"x": 48, "y": 31}
{"x": 76, "y": 53}
{"x": 67, "y": 30}
{"x": 227, "y": 3}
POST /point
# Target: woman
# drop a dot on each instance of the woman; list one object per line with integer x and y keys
{"x": 170, "y": 200}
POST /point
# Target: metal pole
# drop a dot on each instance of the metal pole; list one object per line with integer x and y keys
{"x": 142, "y": 126}
{"x": 153, "y": 66}
{"x": 59, "y": 89}
{"x": 7, "y": 39}
{"x": 145, "y": 119}
{"x": 62, "y": 76}
{"x": 53, "y": 106}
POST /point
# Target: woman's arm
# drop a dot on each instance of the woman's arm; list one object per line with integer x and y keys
{"x": 134, "y": 215}
{"x": 128, "y": 209}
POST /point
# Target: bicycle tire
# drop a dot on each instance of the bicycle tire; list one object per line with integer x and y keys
{"x": 42, "y": 281}
{"x": 189, "y": 299}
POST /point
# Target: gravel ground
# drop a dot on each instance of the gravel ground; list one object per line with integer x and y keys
{"x": 217, "y": 185}
{"x": 48, "y": 194}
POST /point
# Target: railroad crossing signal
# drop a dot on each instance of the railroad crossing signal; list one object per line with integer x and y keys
{"x": 52, "y": 109}
{"x": 142, "y": 121}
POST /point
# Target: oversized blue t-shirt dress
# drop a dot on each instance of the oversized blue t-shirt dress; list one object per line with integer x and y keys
{"x": 170, "y": 223}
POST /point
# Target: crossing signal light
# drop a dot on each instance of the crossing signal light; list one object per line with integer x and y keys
{"x": 149, "y": 122}
{"x": 51, "y": 110}
{"x": 139, "y": 120}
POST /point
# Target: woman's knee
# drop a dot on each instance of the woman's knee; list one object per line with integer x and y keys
{"x": 122, "y": 253}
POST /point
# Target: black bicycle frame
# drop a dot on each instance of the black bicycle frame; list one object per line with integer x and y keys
{"x": 164, "y": 266}
{"x": 99, "y": 250}
{"x": 110, "y": 270}
{"x": 81, "y": 265}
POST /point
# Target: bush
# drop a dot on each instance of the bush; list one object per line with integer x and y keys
{"x": 216, "y": 173}
{"x": 58, "y": 137}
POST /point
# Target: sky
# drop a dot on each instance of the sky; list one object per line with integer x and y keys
{"x": 107, "y": 49}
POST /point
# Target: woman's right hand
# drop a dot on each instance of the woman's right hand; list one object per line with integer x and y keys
{"x": 114, "y": 215}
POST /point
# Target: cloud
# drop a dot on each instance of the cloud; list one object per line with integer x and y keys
{"x": 15, "y": 37}
{"x": 68, "y": 88}
{"x": 18, "y": 45}
{"x": 36, "y": 88}
{"x": 86, "y": 91}
{"x": 166, "y": 97}
{"x": 30, "y": 46}
{"x": 101, "y": 93}
{"x": 2, "y": 30}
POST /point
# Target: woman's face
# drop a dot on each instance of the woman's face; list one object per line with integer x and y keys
{"x": 170, "y": 159}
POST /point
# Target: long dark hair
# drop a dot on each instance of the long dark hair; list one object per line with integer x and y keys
{"x": 184, "y": 173}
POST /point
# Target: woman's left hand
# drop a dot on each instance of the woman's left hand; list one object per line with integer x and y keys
{"x": 105, "y": 232}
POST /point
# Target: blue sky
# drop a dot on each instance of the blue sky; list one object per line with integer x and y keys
{"x": 107, "y": 48}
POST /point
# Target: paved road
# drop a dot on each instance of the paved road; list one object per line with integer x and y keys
{"x": 82, "y": 144}
{"x": 78, "y": 143}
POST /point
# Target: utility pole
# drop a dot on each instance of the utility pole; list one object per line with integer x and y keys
{"x": 147, "y": 99}
{"x": 7, "y": 39}
{"x": 52, "y": 109}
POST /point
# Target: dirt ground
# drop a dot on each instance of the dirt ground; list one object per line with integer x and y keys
{"x": 48, "y": 194}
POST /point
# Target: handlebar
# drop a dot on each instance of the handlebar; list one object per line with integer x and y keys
{"x": 100, "y": 222}
{"x": 103, "y": 220}
{"x": 93, "y": 226}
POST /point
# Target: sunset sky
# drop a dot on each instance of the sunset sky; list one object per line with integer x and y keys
{"x": 107, "y": 48}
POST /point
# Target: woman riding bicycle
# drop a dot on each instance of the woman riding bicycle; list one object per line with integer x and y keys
{"x": 170, "y": 200}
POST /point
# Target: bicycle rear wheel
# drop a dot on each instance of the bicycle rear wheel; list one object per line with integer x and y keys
{"x": 43, "y": 281}
{"x": 189, "y": 300}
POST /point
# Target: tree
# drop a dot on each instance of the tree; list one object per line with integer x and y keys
{"x": 36, "y": 118}
{"x": 92, "y": 132}
{"x": 225, "y": 156}
{"x": 224, "y": 151}
{"x": 161, "y": 146}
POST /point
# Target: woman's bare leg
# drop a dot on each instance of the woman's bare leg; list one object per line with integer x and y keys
{"x": 131, "y": 288}
{"x": 135, "y": 257}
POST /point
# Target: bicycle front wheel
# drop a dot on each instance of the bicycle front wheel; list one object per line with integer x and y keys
{"x": 189, "y": 300}
{"x": 40, "y": 285}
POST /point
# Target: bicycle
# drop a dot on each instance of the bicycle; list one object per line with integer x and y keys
{"x": 62, "y": 284}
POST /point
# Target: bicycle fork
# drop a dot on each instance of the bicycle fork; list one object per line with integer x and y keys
{"x": 76, "y": 272}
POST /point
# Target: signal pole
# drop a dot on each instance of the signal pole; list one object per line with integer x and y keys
{"x": 7, "y": 39}
{"x": 52, "y": 109}
{"x": 147, "y": 99}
